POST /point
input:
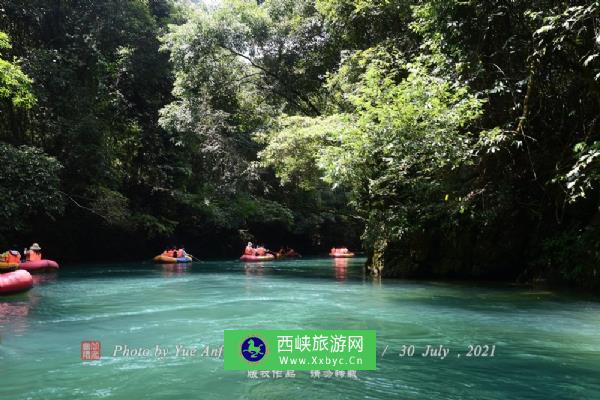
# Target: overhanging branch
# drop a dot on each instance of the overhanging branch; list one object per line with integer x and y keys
{"x": 306, "y": 100}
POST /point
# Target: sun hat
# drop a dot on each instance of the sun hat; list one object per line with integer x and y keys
{"x": 35, "y": 246}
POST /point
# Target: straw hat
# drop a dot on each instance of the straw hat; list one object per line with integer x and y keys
{"x": 35, "y": 246}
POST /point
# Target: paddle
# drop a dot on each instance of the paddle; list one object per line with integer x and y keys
{"x": 194, "y": 258}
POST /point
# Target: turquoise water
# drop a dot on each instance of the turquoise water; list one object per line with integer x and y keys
{"x": 547, "y": 345}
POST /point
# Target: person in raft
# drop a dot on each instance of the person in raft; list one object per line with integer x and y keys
{"x": 34, "y": 253}
{"x": 181, "y": 252}
{"x": 342, "y": 250}
{"x": 286, "y": 251}
{"x": 12, "y": 256}
{"x": 169, "y": 252}
{"x": 259, "y": 251}
{"x": 282, "y": 252}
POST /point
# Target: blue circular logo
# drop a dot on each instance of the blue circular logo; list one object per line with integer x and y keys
{"x": 253, "y": 349}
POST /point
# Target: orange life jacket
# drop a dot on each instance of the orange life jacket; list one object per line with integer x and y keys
{"x": 261, "y": 251}
{"x": 249, "y": 251}
{"x": 33, "y": 256}
{"x": 13, "y": 258}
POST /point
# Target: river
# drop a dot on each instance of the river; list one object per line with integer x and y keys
{"x": 547, "y": 345}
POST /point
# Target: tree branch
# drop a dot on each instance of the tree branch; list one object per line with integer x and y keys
{"x": 270, "y": 73}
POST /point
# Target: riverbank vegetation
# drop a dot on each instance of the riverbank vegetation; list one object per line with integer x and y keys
{"x": 457, "y": 139}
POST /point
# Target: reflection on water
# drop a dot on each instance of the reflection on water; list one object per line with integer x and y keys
{"x": 13, "y": 317}
{"x": 341, "y": 266}
{"x": 257, "y": 268}
{"x": 14, "y": 312}
{"x": 171, "y": 270}
{"x": 15, "y": 308}
{"x": 45, "y": 278}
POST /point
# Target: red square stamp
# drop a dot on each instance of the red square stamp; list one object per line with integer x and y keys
{"x": 90, "y": 350}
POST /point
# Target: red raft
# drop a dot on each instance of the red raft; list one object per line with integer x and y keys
{"x": 248, "y": 258}
{"x": 14, "y": 282}
{"x": 39, "y": 266}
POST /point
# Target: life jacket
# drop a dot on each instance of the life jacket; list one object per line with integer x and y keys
{"x": 14, "y": 257}
{"x": 33, "y": 256}
{"x": 249, "y": 251}
{"x": 261, "y": 251}
{"x": 179, "y": 253}
{"x": 333, "y": 250}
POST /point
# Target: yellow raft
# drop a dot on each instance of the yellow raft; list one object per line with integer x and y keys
{"x": 7, "y": 267}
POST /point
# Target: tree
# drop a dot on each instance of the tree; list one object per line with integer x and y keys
{"x": 475, "y": 166}
{"x": 29, "y": 177}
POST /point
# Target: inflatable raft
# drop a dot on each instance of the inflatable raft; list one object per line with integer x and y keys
{"x": 7, "y": 267}
{"x": 341, "y": 255}
{"x": 39, "y": 266}
{"x": 172, "y": 260}
{"x": 267, "y": 257}
{"x": 14, "y": 282}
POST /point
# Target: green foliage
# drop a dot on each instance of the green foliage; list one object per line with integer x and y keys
{"x": 404, "y": 134}
{"x": 153, "y": 227}
{"x": 459, "y": 128}
{"x": 237, "y": 67}
{"x": 99, "y": 81}
{"x": 360, "y": 24}
{"x": 30, "y": 187}
{"x": 15, "y": 85}
{"x": 110, "y": 205}
{"x": 585, "y": 174}
{"x": 295, "y": 148}
{"x": 573, "y": 256}
{"x": 463, "y": 135}
{"x": 168, "y": 94}
{"x": 4, "y": 41}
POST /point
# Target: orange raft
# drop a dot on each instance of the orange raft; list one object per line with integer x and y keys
{"x": 172, "y": 260}
{"x": 342, "y": 255}
{"x": 15, "y": 282}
